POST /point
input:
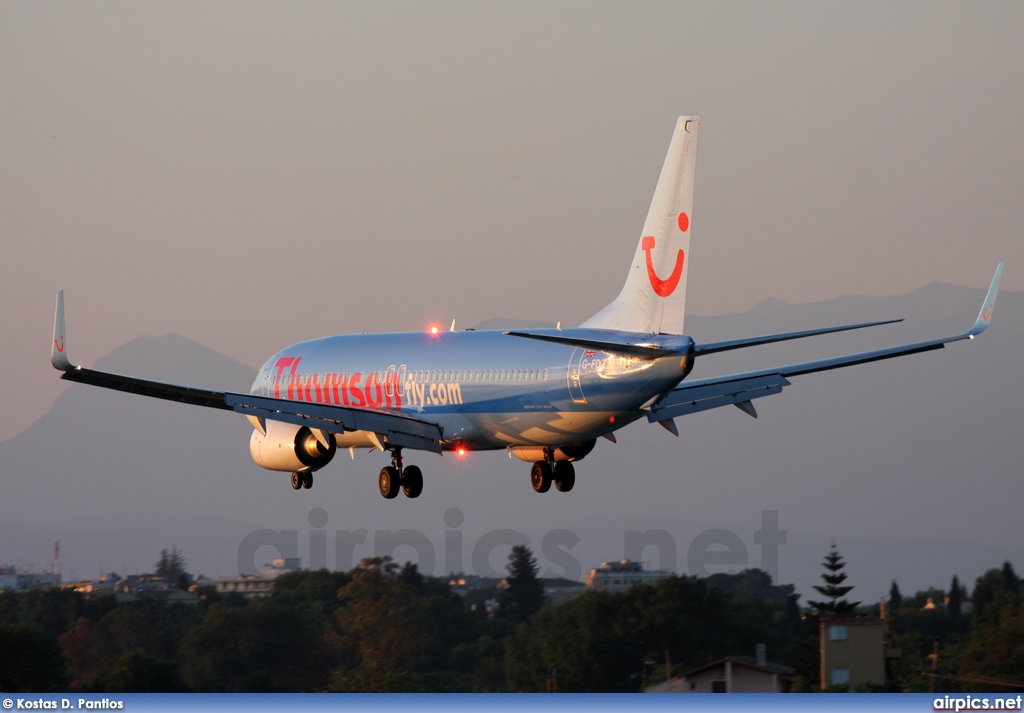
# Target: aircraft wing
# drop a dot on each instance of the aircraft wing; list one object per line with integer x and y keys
{"x": 740, "y": 389}
{"x": 397, "y": 430}
{"x": 714, "y": 347}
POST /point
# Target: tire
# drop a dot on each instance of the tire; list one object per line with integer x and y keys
{"x": 307, "y": 479}
{"x": 389, "y": 482}
{"x": 565, "y": 475}
{"x": 540, "y": 477}
{"x": 412, "y": 482}
{"x": 296, "y": 480}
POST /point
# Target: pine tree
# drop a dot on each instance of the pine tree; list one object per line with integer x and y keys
{"x": 171, "y": 566}
{"x": 833, "y": 588}
{"x": 895, "y": 598}
{"x": 524, "y": 594}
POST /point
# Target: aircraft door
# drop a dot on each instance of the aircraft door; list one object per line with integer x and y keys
{"x": 575, "y": 386}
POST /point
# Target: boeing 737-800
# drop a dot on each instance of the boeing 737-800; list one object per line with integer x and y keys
{"x": 545, "y": 395}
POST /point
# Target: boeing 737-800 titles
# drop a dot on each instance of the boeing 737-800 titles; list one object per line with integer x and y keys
{"x": 545, "y": 395}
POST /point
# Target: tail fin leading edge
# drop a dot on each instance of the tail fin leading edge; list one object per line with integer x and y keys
{"x": 654, "y": 296}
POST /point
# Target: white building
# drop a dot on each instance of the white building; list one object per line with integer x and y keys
{"x": 251, "y": 587}
{"x": 620, "y": 576}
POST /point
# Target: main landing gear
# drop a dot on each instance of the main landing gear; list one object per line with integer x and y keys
{"x": 544, "y": 472}
{"x": 395, "y": 477}
{"x": 302, "y": 479}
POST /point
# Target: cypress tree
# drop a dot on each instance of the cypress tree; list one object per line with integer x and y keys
{"x": 895, "y": 598}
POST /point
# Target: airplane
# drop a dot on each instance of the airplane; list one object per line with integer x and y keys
{"x": 544, "y": 395}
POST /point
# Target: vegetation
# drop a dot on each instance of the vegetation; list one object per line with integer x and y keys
{"x": 385, "y": 627}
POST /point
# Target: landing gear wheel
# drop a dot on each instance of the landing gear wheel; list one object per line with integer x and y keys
{"x": 565, "y": 475}
{"x": 412, "y": 482}
{"x": 540, "y": 476}
{"x": 296, "y": 480}
{"x": 389, "y": 482}
{"x": 307, "y": 480}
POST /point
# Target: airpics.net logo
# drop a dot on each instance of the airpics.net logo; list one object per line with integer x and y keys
{"x": 710, "y": 548}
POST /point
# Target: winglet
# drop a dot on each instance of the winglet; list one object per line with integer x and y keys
{"x": 985, "y": 316}
{"x": 59, "y": 350}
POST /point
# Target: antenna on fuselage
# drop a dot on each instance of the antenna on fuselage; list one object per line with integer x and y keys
{"x": 452, "y": 327}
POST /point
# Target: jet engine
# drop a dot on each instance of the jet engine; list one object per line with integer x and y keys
{"x": 573, "y": 451}
{"x": 291, "y": 448}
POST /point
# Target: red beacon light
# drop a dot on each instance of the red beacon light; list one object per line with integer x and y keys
{"x": 460, "y": 451}
{"x": 434, "y": 329}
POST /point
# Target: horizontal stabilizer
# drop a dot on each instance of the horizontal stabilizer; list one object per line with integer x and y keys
{"x": 600, "y": 340}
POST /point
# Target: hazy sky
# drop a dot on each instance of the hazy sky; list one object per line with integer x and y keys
{"x": 253, "y": 174}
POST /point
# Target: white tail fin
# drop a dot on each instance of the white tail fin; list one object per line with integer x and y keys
{"x": 654, "y": 296}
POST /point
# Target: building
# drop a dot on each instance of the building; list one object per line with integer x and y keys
{"x": 853, "y": 652}
{"x": 13, "y": 580}
{"x": 250, "y": 586}
{"x": 733, "y": 674}
{"x": 620, "y": 576}
{"x": 106, "y": 584}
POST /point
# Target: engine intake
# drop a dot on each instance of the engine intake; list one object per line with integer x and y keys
{"x": 290, "y": 448}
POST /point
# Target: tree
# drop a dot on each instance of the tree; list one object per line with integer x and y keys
{"x": 1010, "y": 580}
{"x": 994, "y": 658}
{"x": 1002, "y": 583}
{"x": 171, "y": 566}
{"x": 954, "y": 598}
{"x": 895, "y": 598}
{"x": 833, "y": 589}
{"x": 29, "y": 660}
{"x": 524, "y": 595}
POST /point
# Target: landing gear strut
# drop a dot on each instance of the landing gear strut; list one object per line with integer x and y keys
{"x": 565, "y": 475}
{"x": 396, "y": 477}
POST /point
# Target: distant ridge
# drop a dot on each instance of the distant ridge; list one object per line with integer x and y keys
{"x": 513, "y": 323}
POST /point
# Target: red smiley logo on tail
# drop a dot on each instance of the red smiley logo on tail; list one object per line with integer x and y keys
{"x": 59, "y": 344}
{"x": 663, "y": 288}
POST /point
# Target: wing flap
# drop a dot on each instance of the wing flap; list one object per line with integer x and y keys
{"x": 713, "y": 393}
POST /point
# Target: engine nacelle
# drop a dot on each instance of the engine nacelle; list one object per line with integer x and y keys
{"x": 290, "y": 448}
{"x": 573, "y": 451}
